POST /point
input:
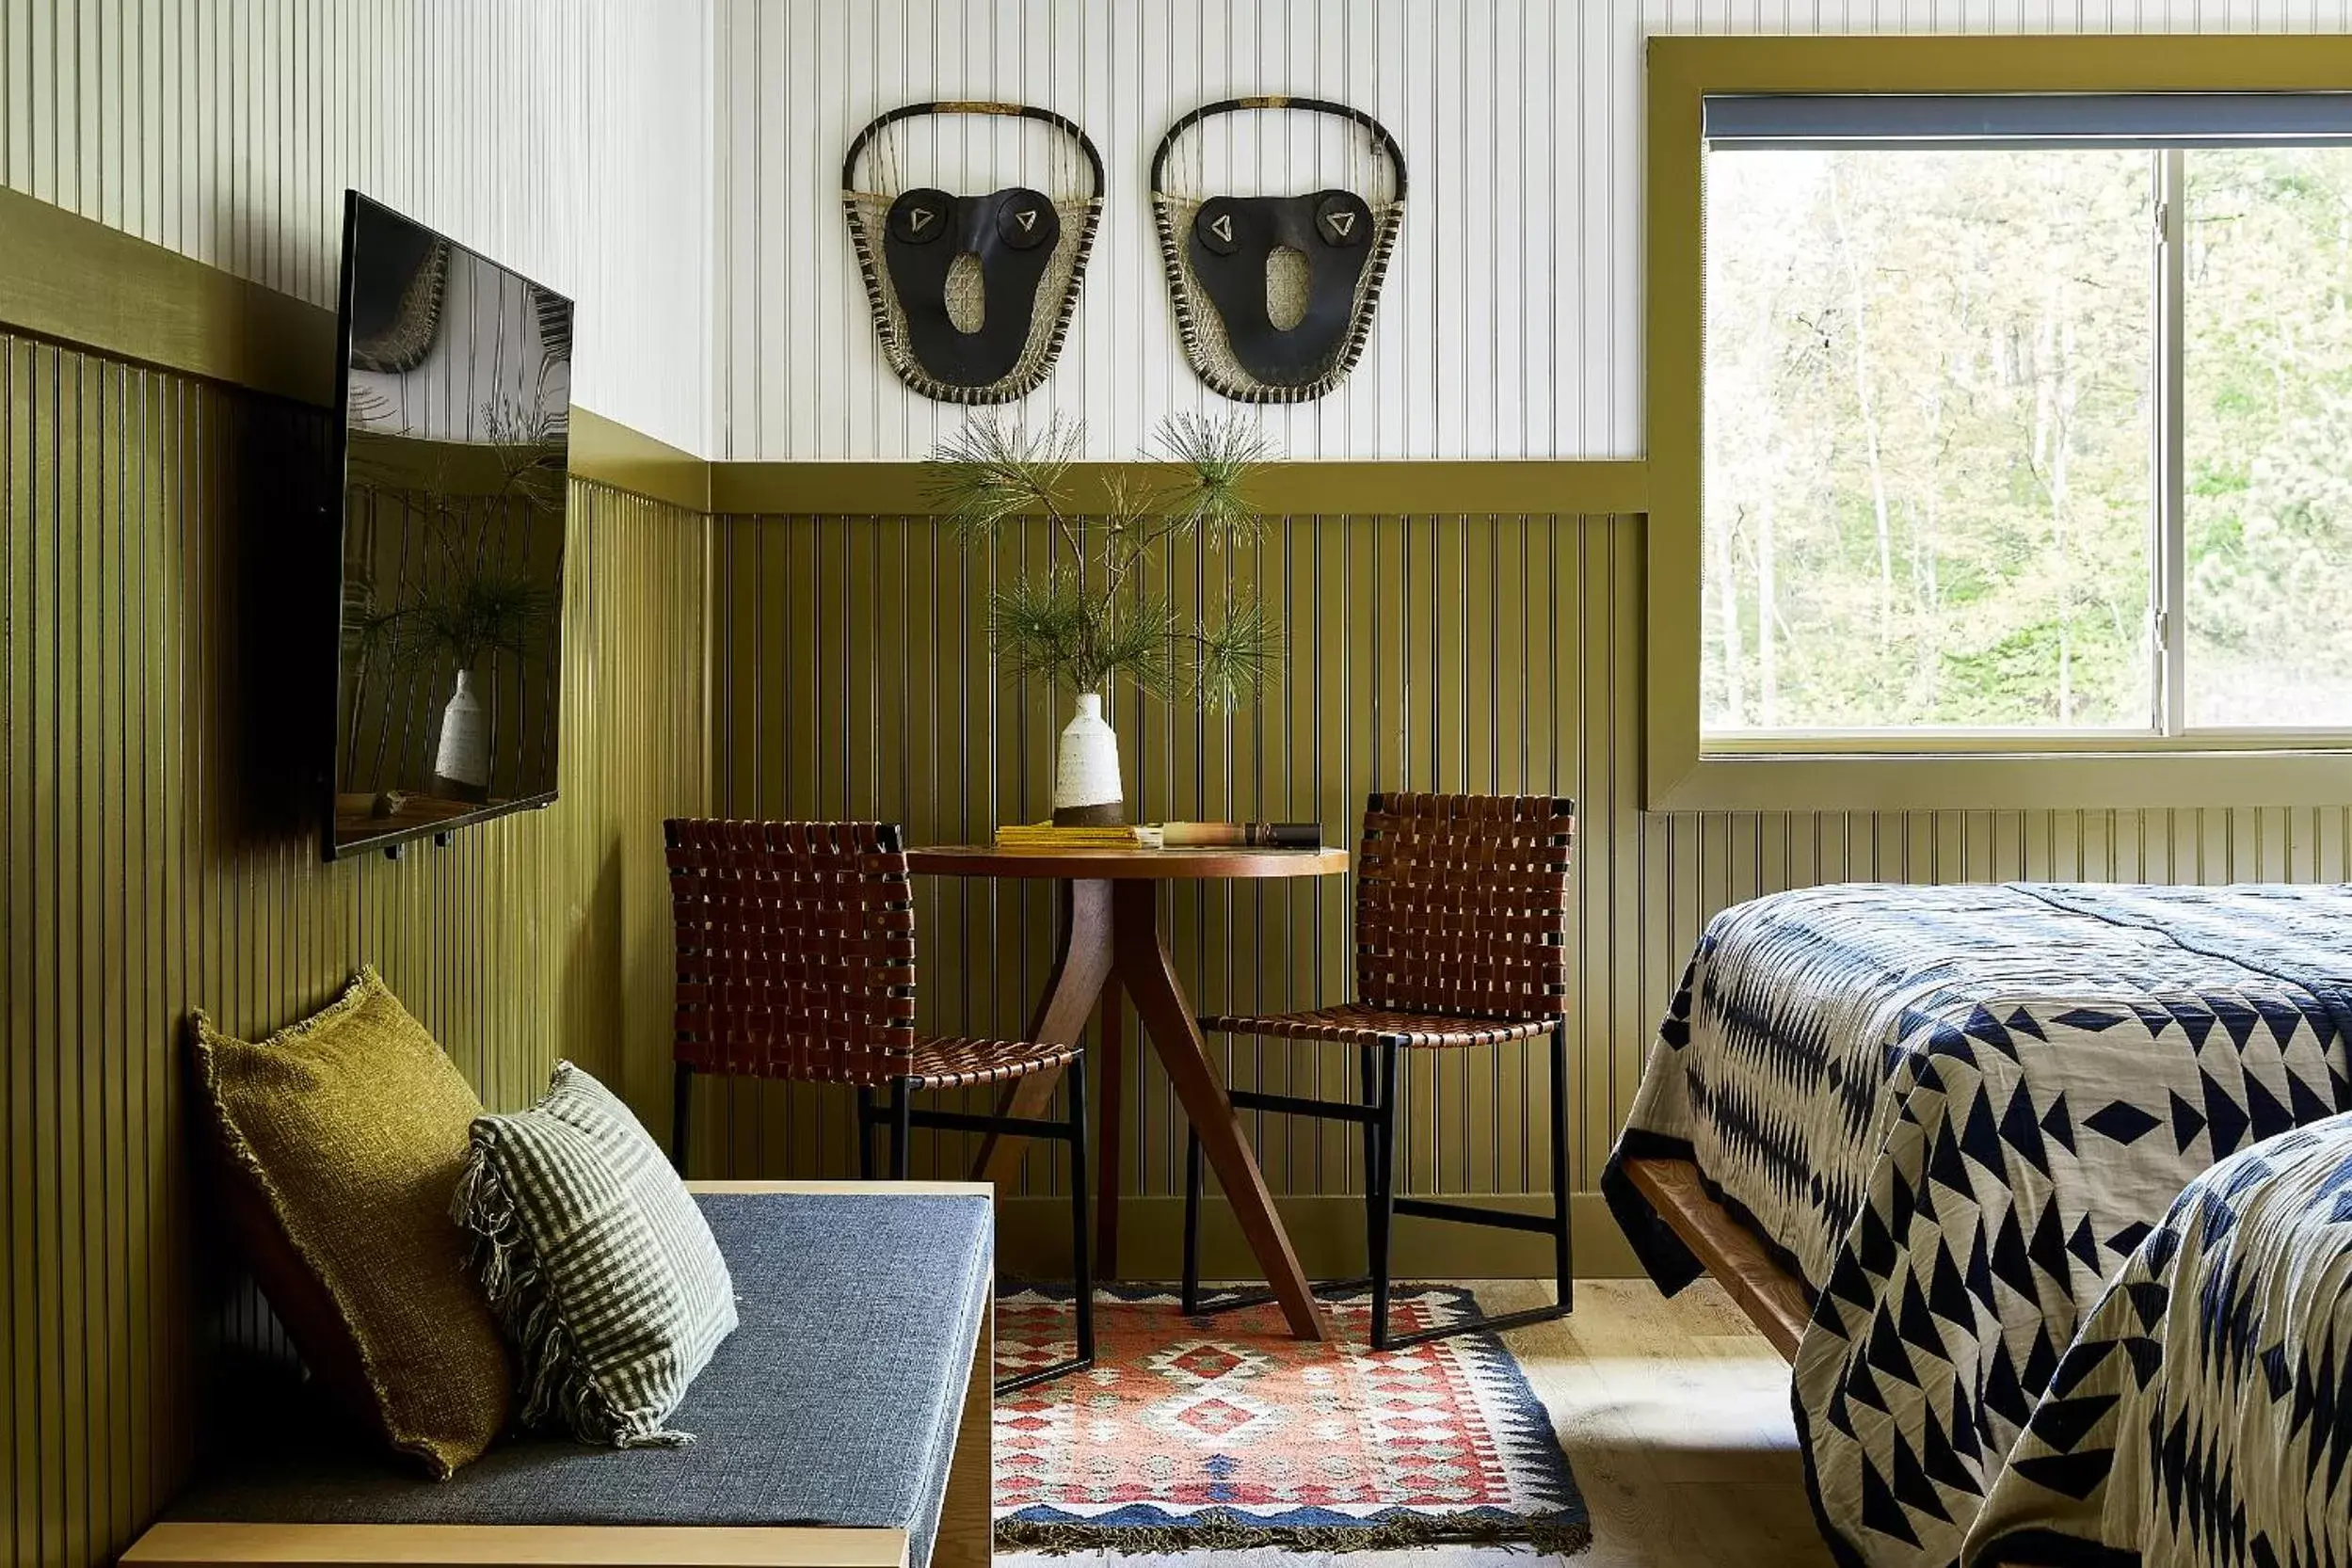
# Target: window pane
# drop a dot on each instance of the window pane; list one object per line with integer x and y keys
{"x": 1927, "y": 486}
{"x": 2269, "y": 430}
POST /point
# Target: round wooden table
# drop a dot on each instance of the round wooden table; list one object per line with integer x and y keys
{"x": 1110, "y": 940}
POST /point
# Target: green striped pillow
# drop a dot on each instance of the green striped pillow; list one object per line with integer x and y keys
{"x": 596, "y": 1263}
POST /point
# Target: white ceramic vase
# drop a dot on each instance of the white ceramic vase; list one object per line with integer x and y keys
{"x": 1086, "y": 788}
{"x": 463, "y": 759}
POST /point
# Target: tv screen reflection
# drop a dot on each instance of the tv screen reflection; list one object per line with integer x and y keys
{"x": 457, "y": 421}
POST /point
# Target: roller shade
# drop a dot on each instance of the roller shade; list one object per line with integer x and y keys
{"x": 2151, "y": 119}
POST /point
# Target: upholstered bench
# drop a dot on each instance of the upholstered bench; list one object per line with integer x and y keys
{"x": 845, "y": 1422}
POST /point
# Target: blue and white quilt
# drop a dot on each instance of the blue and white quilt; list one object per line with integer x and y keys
{"x": 1955, "y": 1111}
{"x": 2203, "y": 1416}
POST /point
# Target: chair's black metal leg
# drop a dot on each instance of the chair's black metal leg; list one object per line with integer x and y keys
{"x": 1191, "y": 1289}
{"x": 901, "y": 1128}
{"x": 1367, "y": 1064}
{"x": 1379, "y": 1068}
{"x": 1195, "y": 1193}
{"x": 865, "y": 1132}
{"x": 681, "y": 1115}
{"x": 1563, "y": 1261}
{"x": 1563, "y": 1242}
{"x": 1384, "y": 1193}
{"x": 1081, "y": 1240}
{"x": 1367, "y": 1068}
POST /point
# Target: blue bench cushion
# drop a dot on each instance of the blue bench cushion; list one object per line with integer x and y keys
{"x": 835, "y": 1402}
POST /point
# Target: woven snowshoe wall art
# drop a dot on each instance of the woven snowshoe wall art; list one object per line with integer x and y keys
{"x": 972, "y": 293}
{"x": 1273, "y": 295}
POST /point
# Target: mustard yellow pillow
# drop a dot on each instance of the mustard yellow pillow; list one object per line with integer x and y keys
{"x": 343, "y": 1138}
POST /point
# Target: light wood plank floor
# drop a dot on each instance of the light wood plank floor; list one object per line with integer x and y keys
{"x": 1674, "y": 1415}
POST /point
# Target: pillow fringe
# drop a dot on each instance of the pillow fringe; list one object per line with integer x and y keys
{"x": 554, "y": 1381}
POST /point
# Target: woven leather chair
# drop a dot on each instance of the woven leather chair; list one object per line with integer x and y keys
{"x": 796, "y": 961}
{"x": 1460, "y": 941}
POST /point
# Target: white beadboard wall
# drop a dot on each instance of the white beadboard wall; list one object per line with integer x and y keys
{"x": 1498, "y": 332}
{"x": 1511, "y": 323}
{"x": 569, "y": 138}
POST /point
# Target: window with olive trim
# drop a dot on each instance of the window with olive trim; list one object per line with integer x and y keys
{"x": 2026, "y": 416}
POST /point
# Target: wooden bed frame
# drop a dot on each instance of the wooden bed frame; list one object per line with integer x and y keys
{"x": 1776, "y": 1300}
{"x": 964, "y": 1539}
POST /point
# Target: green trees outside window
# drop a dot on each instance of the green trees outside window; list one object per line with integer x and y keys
{"x": 1937, "y": 489}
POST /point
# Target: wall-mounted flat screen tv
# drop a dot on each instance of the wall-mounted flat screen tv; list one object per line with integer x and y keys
{"x": 455, "y": 423}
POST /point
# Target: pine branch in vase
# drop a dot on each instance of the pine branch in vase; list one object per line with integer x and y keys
{"x": 1094, "y": 615}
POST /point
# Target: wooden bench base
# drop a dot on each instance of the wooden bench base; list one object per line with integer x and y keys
{"x": 1776, "y": 1300}
{"x": 966, "y": 1537}
{"x": 202, "y": 1546}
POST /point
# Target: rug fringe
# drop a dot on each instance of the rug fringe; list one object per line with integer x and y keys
{"x": 1221, "y": 1531}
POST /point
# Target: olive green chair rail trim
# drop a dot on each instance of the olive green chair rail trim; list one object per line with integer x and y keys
{"x": 76, "y": 281}
{"x": 1382, "y": 487}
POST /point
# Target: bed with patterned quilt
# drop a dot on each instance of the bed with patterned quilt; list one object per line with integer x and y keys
{"x": 2202, "y": 1418}
{"x": 1951, "y": 1115}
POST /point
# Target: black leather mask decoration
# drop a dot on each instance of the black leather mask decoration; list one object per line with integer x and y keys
{"x": 1232, "y": 260}
{"x": 989, "y": 329}
{"x": 1232, "y": 245}
{"x": 1011, "y": 234}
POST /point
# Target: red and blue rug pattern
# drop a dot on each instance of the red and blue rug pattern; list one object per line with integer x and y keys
{"x": 1223, "y": 1432}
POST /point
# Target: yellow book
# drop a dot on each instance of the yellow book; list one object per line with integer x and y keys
{"x": 1046, "y": 835}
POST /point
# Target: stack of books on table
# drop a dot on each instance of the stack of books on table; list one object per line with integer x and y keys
{"x": 1175, "y": 835}
{"x": 1046, "y": 835}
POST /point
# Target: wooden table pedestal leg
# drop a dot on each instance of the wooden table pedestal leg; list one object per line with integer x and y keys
{"x": 1149, "y": 975}
{"x": 1081, "y": 965}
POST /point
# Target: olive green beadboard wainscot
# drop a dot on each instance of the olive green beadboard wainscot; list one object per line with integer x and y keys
{"x": 152, "y": 864}
{"x": 1495, "y": 645}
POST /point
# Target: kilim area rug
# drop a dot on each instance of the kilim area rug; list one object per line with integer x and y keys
{"x": 1223, "y": 1432}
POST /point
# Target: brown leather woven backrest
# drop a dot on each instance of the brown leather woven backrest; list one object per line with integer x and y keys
{"x": 1461, "y": 904}
{"x": 795, "y": 948}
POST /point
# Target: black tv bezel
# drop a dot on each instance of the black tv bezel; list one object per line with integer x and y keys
{"x": 339, "y": 509}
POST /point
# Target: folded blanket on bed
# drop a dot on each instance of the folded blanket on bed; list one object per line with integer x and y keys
{"x": 2203, "y": 1419}
{"x": 1955, "y": 1111}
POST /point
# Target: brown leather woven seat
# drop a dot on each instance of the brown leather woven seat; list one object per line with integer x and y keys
{"x": 796, "y": 961}
{"x": 956, "y": 1063}
{"x": 1352, "y": 1024}
{"x": 1461, "y": 940}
